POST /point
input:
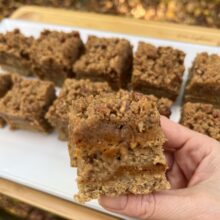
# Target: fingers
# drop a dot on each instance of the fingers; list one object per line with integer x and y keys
{"x": 176, "y": 134}
{"x": 134, "y": 206}
{"x": 191, "y": 150}
{"x": 167, "y": 205}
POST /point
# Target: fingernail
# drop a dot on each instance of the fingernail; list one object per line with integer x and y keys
{"x": 117, "y": 203}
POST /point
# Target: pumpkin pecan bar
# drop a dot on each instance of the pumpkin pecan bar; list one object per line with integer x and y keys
{"x": 163, "y": 104}
{"x": 158, "y": 71}
{"x": 117, "y": 144}
{"x": 55, "y": 52}
{"x": 16, "y": 53}
{"x": 204, "y": 80}
{"x": 203, "y": 118}
{"x": 25, "y": 105}
{"x": 106, "y": 59}
{"x": 71, "y": 91}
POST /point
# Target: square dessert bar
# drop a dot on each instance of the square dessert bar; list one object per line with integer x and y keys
{"x": 5, "y": 85}
{"x": 106, "y": 59}
{"x": 55, "y": 52}
{"x": 71, "y": 91}
{"x": 163, "y": 104}
{"x": 203, "y": 118}
{"x": 204, "y": 80}
{"x": 16, "y": 53}
{"x": 116, "y": 142}
{"x": 26, "y": 104}
{"x": 158, "y": 71}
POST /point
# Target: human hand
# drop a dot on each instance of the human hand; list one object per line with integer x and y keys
{"x": 194, "y": 175}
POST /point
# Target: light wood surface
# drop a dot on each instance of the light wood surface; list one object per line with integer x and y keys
{"x": 132, "y": 26}
{"x": 50, "y": 203}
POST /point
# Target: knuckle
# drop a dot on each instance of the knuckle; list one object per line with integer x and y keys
{"x": 147, "y": 206}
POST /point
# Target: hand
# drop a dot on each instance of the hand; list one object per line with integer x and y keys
{"x": 194, "y": 174}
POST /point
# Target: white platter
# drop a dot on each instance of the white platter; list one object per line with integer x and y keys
{"x": 42, "y": 162}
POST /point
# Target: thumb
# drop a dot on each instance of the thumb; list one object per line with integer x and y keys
{"x": 166, "y": 205}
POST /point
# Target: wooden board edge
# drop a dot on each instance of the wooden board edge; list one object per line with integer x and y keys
{"x": 161, "y": 30}
{"x": 60, "y": 207}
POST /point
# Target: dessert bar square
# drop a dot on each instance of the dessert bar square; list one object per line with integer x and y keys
{"x": 16, "y": 52}
{"x": 163, "y": 104}
{"x": 25, "y": 105}
{"x": 71, "y": 91}
{"x": 204, "y": 80}
{"x": 55, "y": 52}
{"x": 5, "y": 85}
{"x": 106, "y": 59}
{"x": 204, "y": 118}
{"x": 158, "y": 71}
{"x": 116, "y": 142}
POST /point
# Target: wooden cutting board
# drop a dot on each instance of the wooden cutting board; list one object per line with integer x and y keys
{"x": 162, "y": 30}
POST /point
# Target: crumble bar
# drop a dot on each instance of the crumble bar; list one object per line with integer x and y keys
{"x": 16, "y": 53}
{"x": 71, "y": 91}
{"x": 158, "y": 71}
{"x": 26, "y": 104}
{"x": 163, "y": 104}
{"x": 106, "y": 59}
{"x": 116, "y": 142}
{"x": 203, "y": 118}
{"x": 204, "y": 80}
{"x": 54, "y": 54}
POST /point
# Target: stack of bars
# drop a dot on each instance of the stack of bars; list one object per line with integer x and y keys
{"x": 116, "y": 142}
{"x": 201, "y": 111}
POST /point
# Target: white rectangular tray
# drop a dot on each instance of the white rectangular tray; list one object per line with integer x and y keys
{"x": 42, "y": 162}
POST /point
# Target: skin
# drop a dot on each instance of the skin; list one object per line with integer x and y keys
{"x": 194, "y": 175}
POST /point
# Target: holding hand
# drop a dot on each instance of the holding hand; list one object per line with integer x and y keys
{"x": 194, "y": 175}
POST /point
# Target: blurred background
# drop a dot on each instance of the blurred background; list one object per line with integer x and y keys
{"x": 192, "y": 12}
